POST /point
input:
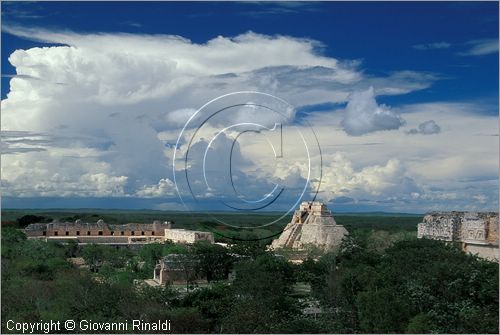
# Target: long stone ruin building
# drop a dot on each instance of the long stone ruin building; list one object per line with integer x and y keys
{"x": 103, "y": 233}
{"x": 312, "y": 224}
{"x": 477, "y": 232}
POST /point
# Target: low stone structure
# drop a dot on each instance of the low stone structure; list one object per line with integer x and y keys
{"x": 187, "y": 236}
{"x": 100, "y": 228}
{"x": 175, "y": 268}
{"x": 312, "y": 224}
{"x": 477, "y": 232}
{"x": 103, "y": 233}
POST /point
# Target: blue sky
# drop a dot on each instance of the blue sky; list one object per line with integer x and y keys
{"x": 423, "y": 61}
{"x": 380, "y": 34}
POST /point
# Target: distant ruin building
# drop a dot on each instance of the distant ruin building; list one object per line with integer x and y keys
{"x": 477, "y": 232}
{"x": 312, "y": 224}
{"x": 103, "y": 233}
{"x": 176, "y": 268}
{"x": 187, "y": 236}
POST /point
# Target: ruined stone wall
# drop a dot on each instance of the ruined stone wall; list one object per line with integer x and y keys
{"x": 438, "y": 227}
{"x": 478, "y": 232}
{"x": 76, "y": 230}
{"x": 472, "y": 229}
{"x": 103, "y": 233}
{"x": 79, "y": 229}
{"x": 204, "y": 236}
{"x": 492, "y": 236}
{"x": 187, "y": 236}
{"x": 163, "y": 275}
{"x": 460, "y": 226}
{"x": 489, "y": 252}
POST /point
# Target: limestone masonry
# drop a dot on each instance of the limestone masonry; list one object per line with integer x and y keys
{"x": 187, "y": 236}
{"x": 103, "y": 233}
{"x": 174, "y": 268}
{"x": 312, "y": 224}
{"x": 477, "y": 232}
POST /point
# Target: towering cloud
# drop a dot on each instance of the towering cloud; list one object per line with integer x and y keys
{"x": 98, "y": 115}
{"x": 363, "y": 115}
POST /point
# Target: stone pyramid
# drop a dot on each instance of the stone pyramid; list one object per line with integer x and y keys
{"x": 312, "y": 224}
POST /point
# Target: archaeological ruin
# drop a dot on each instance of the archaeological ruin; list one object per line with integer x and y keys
{"x": 175, "y": 268}
{"x": 477, "y": 233}
{"x": 187, "y": 236}
{"x": 103, "y": 233}
{"x": 312, "y": 224}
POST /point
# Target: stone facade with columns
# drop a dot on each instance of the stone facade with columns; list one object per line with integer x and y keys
{"x": 103, "y": 233}
{"x": 477, "y": 232}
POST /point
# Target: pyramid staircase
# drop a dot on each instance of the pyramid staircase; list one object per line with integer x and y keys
{"x": 296, "y": 230}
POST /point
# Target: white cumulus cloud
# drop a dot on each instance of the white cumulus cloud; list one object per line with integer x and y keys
{"x": 375, "y": 181}
{"x": 363, "y": 115}
{"x": 126, "y": 96}
{"x": 165, "y": 187}
{"x": 426, "y": 128}
{"x": 98, "y": 115}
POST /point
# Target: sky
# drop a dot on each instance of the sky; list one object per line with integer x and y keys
{"x": 380, "y": 106}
